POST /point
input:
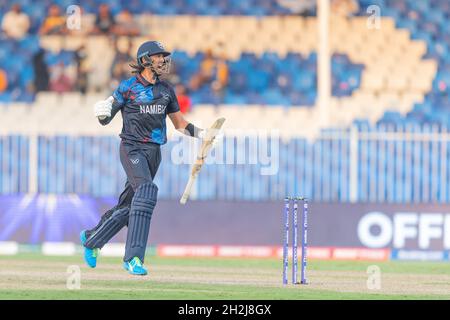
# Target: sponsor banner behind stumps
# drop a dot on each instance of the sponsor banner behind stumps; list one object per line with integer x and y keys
{"x": 38, "y": 219}
{"x": 118, "y": 250}
{"x": 314, "y": 253}
{"x": 419, "y": 255}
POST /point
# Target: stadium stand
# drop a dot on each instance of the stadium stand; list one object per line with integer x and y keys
{"x": 393, "y": 77}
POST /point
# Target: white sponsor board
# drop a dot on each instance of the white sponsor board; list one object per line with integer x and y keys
{"x": 418, "y": 229}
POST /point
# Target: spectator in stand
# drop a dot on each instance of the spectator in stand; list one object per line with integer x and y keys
{"x": 104, "y": 22}
{"x": 55, "y": 23}
{"x": 126, "y": 25}
{"x": 59, "y": 81}
{"x": 120, "y": 67}
{"x": 3, "y": 81}
{"x": 221, "y": 77}
{"x": 82, "y": 69}
{"x": 41, "y": 72}
{"x": 344, "y": 8}
{"x": 206, "y": 72}
{"x": 15, "y": 23}
{"x": 213, "y": 72}
{"x": 304, "y": 8}
{"x": 183, "y": 99}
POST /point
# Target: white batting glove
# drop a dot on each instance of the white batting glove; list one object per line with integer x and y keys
{"x": 102, "y": 109}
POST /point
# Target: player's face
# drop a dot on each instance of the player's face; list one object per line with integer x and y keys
{"x": 160, "y": 64}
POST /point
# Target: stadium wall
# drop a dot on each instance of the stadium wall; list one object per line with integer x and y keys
{"x": 215, "y": 228}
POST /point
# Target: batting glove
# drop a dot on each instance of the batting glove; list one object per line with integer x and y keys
{"x": 102, "y": 109}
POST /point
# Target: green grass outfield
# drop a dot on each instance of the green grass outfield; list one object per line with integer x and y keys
{"x": 33, "y": 276}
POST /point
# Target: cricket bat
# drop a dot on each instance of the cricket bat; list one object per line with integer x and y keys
{"x": 203, "y": 153}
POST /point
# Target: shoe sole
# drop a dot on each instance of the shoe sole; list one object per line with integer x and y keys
{"x": 137, "y": 274}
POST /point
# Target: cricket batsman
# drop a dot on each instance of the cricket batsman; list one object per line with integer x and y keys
{"x": 144, "y": 101}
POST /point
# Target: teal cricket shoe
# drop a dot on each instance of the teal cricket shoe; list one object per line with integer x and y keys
{"x": 135, "y": 267}
{"x": 90, "y": 255}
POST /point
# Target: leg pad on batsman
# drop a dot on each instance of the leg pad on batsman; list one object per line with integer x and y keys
{"x": 109, "y": 228}
{"x": 144, "y": 201}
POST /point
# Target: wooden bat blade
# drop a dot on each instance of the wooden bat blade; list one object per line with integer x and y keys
{"x": 204, "y": 149}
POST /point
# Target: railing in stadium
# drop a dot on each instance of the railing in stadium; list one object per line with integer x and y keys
{"x": 358, "y": 165}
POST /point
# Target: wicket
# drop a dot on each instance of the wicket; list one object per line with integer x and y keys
{"x": 287, "y": 202}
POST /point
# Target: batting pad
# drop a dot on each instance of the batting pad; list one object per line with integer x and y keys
{"x": 144, "y": 201}
{"x": 108, "y": 229}
{"x": 103, "y": 218}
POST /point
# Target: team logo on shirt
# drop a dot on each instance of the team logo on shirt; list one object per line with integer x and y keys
{"x": 166, "y": 97}
{"x": 152, "y": 108}
{"x": 142, "y": 95}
